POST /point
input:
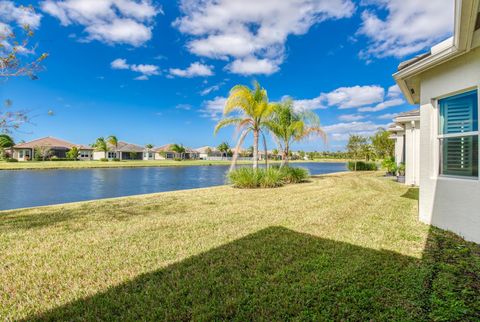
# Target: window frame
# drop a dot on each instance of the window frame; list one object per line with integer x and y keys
{"x": 440, "y": 137}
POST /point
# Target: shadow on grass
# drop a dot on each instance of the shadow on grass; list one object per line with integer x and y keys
{"x": 412, "y": 193}
{"x": 274, "y": 274}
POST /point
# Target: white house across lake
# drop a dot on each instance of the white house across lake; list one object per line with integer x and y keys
{"x": 445, "y": 83}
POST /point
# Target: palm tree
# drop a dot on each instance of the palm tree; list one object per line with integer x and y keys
{"x": 223, "y": 148}
{"x": 253, "y": 108}
{"x": 178, "y": 149}
{"x": 101, "y": 145}
{"x": 112, "y": 140}
{"x": 288, "y": 125}
{"x": 149, "y": 148}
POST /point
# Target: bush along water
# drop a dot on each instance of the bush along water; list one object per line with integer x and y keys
{"x": 271, "y": 177}
{"x": 362, "y": 166}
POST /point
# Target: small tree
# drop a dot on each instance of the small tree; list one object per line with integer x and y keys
{"x": 101, "y": 145}
{"x": 382, "y": 144}
{"x": 6, "y": 143}
{"x": 42, "y": 152}
{"x": 73, "y": 153}
{"x": 223, "y": 148}
{"x": 179, "y": 149}
{"x": 356, "y": 147}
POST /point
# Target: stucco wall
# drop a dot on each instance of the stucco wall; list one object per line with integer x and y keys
{"x": 449, "y": 203}
{"x": 399, "y": 148}
{"x": 412, "y": 153}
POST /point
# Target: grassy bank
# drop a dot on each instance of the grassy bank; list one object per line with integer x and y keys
{"x": 39, "y": 165}
{"x": 344, "y": 246}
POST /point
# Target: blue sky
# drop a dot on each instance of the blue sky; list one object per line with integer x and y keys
{"x": 158, "y": 71}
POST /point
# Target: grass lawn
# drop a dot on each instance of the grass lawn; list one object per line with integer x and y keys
{"x": 32, "y": 165}
{"x": 340, "y": 247}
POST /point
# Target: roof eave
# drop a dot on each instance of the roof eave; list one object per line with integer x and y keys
{"x": 465, "y": 18}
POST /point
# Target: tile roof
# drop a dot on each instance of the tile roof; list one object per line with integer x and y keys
{"x": 51, "y": 142}
{"x": 411, "y": 113}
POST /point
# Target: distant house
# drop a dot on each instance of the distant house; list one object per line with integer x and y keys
{"x": 406, "y": 133}
{"x": 444, "y": 82}
{"x": 124, "y": 151}
{"x": 206, "y": 152}
{"x": 53, "y": 147}
{"x": 165, "y": 152}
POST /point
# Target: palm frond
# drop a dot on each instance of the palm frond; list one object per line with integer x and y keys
{"x": 227, "y": 121}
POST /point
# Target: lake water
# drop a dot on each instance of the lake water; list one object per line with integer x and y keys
{"x": 30, "y": 188}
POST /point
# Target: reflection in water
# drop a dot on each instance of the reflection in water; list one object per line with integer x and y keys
{"x": 28, "y": 188}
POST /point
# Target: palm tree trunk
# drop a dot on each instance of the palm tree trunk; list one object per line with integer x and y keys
{"x": 255, "y": 149}
{"x": 287, "y": 154}
{"x": 237, "y": 148}
{"x": 266, "y": 151}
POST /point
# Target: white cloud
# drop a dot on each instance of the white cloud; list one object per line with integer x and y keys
{"x": 341, "y": 131}
{"x": 194, "y": 70}
{"x": 252, "y": 65}
{"x": 109, "y": 21}
{"x": 310, "y": 104}
{"x": 119, "y": 63}
{"x": 394, "y": 91}
{"x": 185, "y": 107}
{"x": 211, "y": 89}
{"x": 252, "y": 32}
{"x": 409, "y": 26}
{"x": 360, "y": 97}
{"x": 351, "y": 117}
{"x": 383, "y": 105}
{"x": 388, "y": 116}
{"x": 144, "y": 69}
{"x": 349, "y": 97}
{"x": 213, "y": 109}
{"x": 141, "y": 78}
{"x": 344, "y": 97}
{"x": 148, "y": 70}
{"x": 9, "y": 13}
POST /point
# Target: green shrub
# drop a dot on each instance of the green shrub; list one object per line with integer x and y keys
{"x": 390, "y": 166}
{"x": 294, "y": 175}
{"x": 177, "y": 159}
{"x": 116, "y": 159}
{"x": 11, "y": 160}
{"x": 104, "y": 159}
{"x": 272, "y": 177}
{"x": 62, "y": 159}
{"x": 401, "y": 169}
{"x": 362, "y": 166}
{"x": 245, "y": 178}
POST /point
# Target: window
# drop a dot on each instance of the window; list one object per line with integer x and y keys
{"x": 459, "y": 135}
{"x": 112, "y": 155}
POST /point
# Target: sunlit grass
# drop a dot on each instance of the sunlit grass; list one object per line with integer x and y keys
{"x": 345, "y": 246}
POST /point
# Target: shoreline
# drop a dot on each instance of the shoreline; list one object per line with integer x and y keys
{"x": 55, "y": 165}
{"x": 143, "y": 195}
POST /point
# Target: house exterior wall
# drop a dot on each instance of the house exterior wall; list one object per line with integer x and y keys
{"x": 399, "y": 145}
{"x": 412, "y": 153}
{"x": 447, "y": 202}
{"x": 23, "y": 154}
{"x": 85, "y": 155}
{"x": 97, "y": 155}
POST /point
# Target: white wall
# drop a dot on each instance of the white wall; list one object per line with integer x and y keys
{"x": 399, "y": 147}
{"x": 449, "y": 203}
{"x": 97, "y": 155}
{"x": 412, "y": 153}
